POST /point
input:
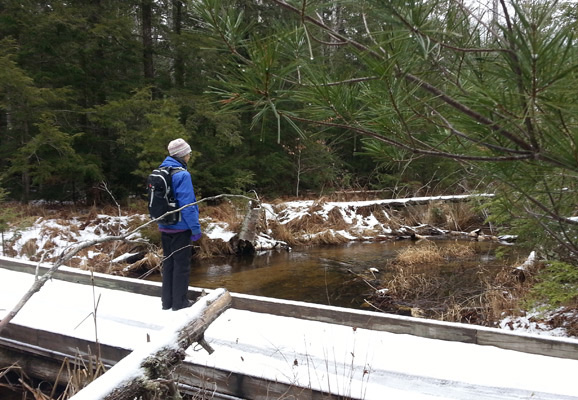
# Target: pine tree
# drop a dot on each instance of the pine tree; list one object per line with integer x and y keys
{"x": 493, "y": 94}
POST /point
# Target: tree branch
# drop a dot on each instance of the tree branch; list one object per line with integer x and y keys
{"x": 66, "y": 256}
{"x": 404, "y": 146}
{"x": 440, "y": 94}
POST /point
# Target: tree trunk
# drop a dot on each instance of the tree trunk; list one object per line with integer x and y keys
{"x": 243, "y": 242}
{"x": 147, "y": 42}
{"x": 179, "y": 63}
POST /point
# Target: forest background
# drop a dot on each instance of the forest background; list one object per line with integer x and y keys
{"x": 287, "y": 98}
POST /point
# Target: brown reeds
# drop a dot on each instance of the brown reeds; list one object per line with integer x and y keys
{"x": 426, "y": 253}
{"x": 226, "y": 212}
{"x": 150, "y": 262}
{"x": 505, "y": 292}
{"x": 313, "y": 228}
{"x": 409, "y": 284}
{"x": 335, "y": 220}
{"x": 415, "y": 281}
{"x": 284, "y": 233}
{"x": 30, "y": 248}
{"x": 327, "y": 237}
{"x": 205, "y": 248}
{"x": 458, "y": 216}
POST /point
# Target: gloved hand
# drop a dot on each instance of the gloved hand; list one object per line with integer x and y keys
{"x": 196, "y": 237}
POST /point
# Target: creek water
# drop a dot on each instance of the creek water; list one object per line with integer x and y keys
{"x": 331, "y": 275}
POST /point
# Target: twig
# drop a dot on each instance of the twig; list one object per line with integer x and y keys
{"x": 363, "y": 279}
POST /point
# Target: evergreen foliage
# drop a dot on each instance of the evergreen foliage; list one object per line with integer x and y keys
{"x": 463, "y": 98}
{"x": 290, "y": 97}
{"x": 557, "y": 286}
{"x": 92, "y": 92}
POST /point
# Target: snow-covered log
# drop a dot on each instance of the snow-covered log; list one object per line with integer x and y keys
{"x": 148, "y": 369}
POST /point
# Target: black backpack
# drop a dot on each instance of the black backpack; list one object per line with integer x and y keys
{"x": 160, "y": 194}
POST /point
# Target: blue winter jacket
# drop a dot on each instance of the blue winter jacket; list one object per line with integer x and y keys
{"x": 184, "y": 194}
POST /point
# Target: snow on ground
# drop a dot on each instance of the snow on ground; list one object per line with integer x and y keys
{"x": 52, "y": 236}
{"x": 129, "y": 368}
{"x": 530, "y": 323}
{"x": 355, "y": 363}
{"x": 368, "y": 364}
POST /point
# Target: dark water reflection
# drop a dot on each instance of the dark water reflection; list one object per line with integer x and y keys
{"x": 322, "y": 274}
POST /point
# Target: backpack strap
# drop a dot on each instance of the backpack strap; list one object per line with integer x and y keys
{"x": 172, "y": 171}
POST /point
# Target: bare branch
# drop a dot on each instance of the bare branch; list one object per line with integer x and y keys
{"x": 564, "y": 243}
{"x": 66, "y": 256}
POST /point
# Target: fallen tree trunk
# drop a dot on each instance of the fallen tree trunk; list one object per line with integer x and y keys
{"x": 417, "y": 201}
{"x": 148, "y": 369}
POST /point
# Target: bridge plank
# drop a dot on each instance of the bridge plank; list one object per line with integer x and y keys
{"x": 267, "y": 349}
{"x": 543, "y": 345}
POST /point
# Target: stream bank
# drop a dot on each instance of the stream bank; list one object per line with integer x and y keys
{"x": 295, "y": 229}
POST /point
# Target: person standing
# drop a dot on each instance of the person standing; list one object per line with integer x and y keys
{"x": 176, "y": 238}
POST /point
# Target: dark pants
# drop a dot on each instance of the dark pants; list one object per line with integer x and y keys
{"x": 177, "y": 253}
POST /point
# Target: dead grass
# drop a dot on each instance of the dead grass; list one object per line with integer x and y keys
{"x": 226, "y": 212}
{"x": 327, "y": 238}
{"x": 426, "y": 252}
{"x": 423, "y": 253}
{"x": 30, "y": 248}
{"x": 367, "y": 233}
{"x": 316, "y": 225}
{"x": 409, "y": 284}
{"x": 284, "y": 233}
{"x": 457, "y": 250}
{"x": 458, "y": 216}
{"x": 366, "y": 211}
{"x": 413, "y": 215}
{"x": 306, "y": 224}
{"x": 83, "y": 371}
{"x": 312, "y": 229}
{"x": 335, "y": 220}
{"x": 206, "y": 248}
{"x": 386, "y": 217}
{"x": 77, "y": 374}
{"x": 416, "y": 281}
{"x": 504, "y": 293}
{"x": 152, "y": 261}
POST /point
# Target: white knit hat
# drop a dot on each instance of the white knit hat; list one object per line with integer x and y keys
{"x": 179, "y": 148}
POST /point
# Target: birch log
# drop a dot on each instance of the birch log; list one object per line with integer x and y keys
{"x": 148, "y": 369}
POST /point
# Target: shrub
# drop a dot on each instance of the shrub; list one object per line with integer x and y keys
{"x": 557, "y": 285}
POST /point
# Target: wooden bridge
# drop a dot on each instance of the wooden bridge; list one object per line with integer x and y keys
{"x": 271, "y": 349}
